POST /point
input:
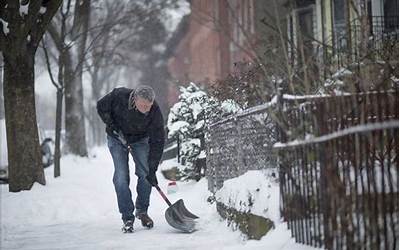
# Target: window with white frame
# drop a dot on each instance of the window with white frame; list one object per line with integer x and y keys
{"x": 302, "y": 30}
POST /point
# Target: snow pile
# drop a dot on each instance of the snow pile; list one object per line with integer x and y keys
{"x": 254, "y": 192}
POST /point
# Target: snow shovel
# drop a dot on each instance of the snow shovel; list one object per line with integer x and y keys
{"x": 178, "y": 216}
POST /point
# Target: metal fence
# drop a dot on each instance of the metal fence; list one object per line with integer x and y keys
{"x": 338, "y": 159}
{"x": 239, "y": 143}
{"x": 172, "y": 149}
{"x": 382, "y": 38}
{"x": 339, "y": 181}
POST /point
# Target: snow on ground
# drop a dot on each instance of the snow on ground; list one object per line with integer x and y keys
{"x": 79, "y": 211}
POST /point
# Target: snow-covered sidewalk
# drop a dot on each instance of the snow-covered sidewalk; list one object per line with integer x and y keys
{"x": 79, "y": 211}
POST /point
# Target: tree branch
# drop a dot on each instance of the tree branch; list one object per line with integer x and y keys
{"x": 3, "y": 39}
{"x": 30, "y": 20}
{"x": 11, "y": 16}
{"x": 44, "y": 20}
{"x": 46, "y": 55}
{"x": 52, "y": 30}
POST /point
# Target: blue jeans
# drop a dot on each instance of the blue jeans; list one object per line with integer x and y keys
{"x": 121, "y": 179}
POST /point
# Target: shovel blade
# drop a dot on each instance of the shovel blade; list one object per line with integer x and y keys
{"x": 180, "y": 218}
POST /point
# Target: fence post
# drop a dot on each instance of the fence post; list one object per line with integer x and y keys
{"x": 179, "y": 147}
{"x": 210, "y": 173}
{"x": 281, "y": 136}
{"x": 325, "y": 163}
{"x": 239, "y": 161}
{"x": 281, "y": 133}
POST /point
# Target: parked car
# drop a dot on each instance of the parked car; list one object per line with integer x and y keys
{"x": 3, "y": 175}
{"x": 47, "y": 149}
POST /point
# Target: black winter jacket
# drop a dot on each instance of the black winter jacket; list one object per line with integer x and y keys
{"x": 115, "y": 112}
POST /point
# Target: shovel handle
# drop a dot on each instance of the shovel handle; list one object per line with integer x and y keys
{"x": 163, "y": 195}
{"x": 156, "y": 186}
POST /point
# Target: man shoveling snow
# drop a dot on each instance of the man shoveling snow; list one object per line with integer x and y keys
{"x": 134, "y": 123}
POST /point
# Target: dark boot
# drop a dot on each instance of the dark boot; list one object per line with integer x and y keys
{"x": 146, "y": 220}
{"x": 128, "y": 226}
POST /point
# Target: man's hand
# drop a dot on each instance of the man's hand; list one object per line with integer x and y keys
{"x": 152, "y": 179}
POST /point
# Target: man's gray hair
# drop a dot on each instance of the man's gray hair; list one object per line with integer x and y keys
{"x": 146, "y": 92}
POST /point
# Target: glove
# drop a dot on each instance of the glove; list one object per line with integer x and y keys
{"x": 111, "y": 128}
{"x": 152, "y": 179}
{"x": 120, "y": 137}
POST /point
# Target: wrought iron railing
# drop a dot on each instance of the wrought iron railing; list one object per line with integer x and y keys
{"x": 339, "y": 182}
{"x": 338, "y": 159}
{"x": 381, "y": 37}
{"x": 171, "y": 149}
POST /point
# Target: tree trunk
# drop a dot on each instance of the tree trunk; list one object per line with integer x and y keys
{"x": 24, "y": 155}
{"x": 98, "y": 127}
{"x": 75, "y": 139}
{"x": 60, "y": 96}
{"x": 1, "y": 92}
{"x": 19, "y": 44}
{"x": 57, "y": 153}
{"x": 74, "y": 110}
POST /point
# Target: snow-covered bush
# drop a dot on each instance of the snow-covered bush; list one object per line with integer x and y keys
{"x": 188, "y": 119}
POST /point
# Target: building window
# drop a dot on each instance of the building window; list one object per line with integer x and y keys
{"x": 241, "y": 19}
{"x": 390, "y": 9}
{"x": 306, "y": 29}
{"x": 339, "y": 24}
{"x": 216, "y": 11}
{"x": 301, "y": 32}
{"x": 252, "y": 11}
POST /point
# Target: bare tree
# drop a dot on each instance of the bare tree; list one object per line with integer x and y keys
{"x": 59, "y": 85}
{"x": 69, "y": 33}
{"x": 105, "y": 59}
{"x": 115, "y": 43}
{"x": 23, "y": 24}
{"x": 75, "y": 136}
{"x": 125, "y": 39}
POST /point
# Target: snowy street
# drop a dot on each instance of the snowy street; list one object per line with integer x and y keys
{"x": 79, "y": 211}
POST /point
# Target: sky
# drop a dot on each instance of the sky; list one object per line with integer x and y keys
{"x": 79, "y": 211}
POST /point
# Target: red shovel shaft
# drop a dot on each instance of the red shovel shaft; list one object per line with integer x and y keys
{"x": 163, "y": 195}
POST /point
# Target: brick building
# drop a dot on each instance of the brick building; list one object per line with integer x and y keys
{"x": 209, "y": 40}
